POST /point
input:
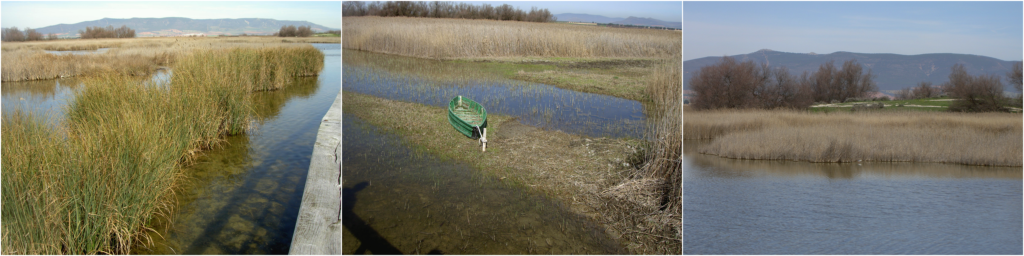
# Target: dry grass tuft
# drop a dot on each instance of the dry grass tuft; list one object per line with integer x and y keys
{"x": 974, "y": 139}
{"x": 23, "y": 61}
{"x": 454, "y": 38}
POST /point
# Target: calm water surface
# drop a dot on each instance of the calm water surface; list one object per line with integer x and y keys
{"x": 781, "y": 207}
{"x": 436, "y": 83}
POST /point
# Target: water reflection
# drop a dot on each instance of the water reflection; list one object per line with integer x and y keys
{"x": 84, "y": 52}
{"x": 714, "y": 166}
{"x": 397, "y": 200}
{"x": 41, "y": 97}
{"x": 244, "y": 198}
{"x": 437, "y": 82}
{"x": 784, "y": 207}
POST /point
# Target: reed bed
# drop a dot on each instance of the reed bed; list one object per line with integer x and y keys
{"x": 23, "y": 61}
{"x": 664, "y": 156}
{"x": 975, "y": 139}
{"x": 91, "y": 185}
{"x": 456, "y": 38}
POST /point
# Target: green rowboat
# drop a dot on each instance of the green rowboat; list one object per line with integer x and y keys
{"x": 467, "y": 116}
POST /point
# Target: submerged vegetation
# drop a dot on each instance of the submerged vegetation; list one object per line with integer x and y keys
{"x": 90, "y": 184}
{"x": 974, "y": 139}
{"x": 630, "y": 186}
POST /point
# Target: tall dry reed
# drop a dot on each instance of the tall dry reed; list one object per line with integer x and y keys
{"x": 974, "y": 139}
{"x": 91, "y": 185}
{"x": 455, "y": 38}
{"x": 22, "y": 61}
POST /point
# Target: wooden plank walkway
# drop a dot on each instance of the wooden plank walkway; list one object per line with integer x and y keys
{"x": 318, "y": 227}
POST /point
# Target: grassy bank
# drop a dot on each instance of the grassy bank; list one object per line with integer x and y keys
{"x": 22, "y": 61}
{"x": 620, "y": 77}
{"x": 587, "y": 174}
{"x": 91, "y": 185}
{"x": 974, "y": 139}
{"x": 456, "y": 38}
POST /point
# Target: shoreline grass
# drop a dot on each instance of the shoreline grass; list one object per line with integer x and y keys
{"x": 992, "y": 139}
{"x": 619, "y": 77}
{"x": 93, "y": 185}
{"x": 587, "y": 174}
{"x": 25, "y": 61}
{"x": 455, "y": 38}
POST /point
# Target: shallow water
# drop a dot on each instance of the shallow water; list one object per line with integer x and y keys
{"x": 783, "y": 207}
{"x": 436, "y": 83}
{"x": 244, "y": 198}
{"x": 97, "y": 51}
{"x": 399, "y": 201}
{"x": 241, "y": 198}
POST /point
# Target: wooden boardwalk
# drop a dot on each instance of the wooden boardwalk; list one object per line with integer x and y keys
{"x": 318, "y": 227}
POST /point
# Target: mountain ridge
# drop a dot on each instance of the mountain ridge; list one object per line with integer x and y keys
{"x": 892, "y": 71}
{"x": 172, "y": 26}
{"x": 631, "y": 20}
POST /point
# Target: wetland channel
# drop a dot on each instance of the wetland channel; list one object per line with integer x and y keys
{"x": 240, "y": 198}
{"x": 397, "y": 199}
{"x": 784, "y": 207}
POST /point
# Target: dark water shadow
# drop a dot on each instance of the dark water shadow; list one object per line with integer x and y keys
{"x": 368, "y": 237}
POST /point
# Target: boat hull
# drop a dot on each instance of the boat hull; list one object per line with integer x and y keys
{"x": 467, "y": 116}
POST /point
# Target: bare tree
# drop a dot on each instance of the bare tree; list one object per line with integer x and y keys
{"x": 32, "y": 35}
{"x": 974, "y": 94}
{"x": 924, "y": 90}
{"x": 12, "y": 34}
{"x": 831, "y": 84}
{"x": 1015, "y": 75}
{"x": 904, "y": 94}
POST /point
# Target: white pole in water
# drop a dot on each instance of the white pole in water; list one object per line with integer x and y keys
{"x": 483, "y": 140}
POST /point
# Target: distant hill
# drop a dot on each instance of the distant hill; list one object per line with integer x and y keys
{"x": 577, "y": 17}
{"x": 892, "y": 71}
{"x": 177, "y": 26}
{"x": 649, "y": 22}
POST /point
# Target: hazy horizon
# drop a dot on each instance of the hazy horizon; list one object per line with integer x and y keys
{"x": 991, "y": 29}
{"x": 662, "y": 10}
{"x": 43, "y": 14}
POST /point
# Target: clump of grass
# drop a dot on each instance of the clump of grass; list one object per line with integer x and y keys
{"x": 257, "y": 69}
{"x": 974, "y": 139}
{"x": 23, "y": 61}
{"x": 92, "y": 185}
{"x": 451, "y": 38}
{"x": 38, "y": 65}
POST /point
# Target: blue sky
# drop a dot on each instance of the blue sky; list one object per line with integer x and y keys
{"x": 37, "y": 14}
{"x": 992, "y": 29}
{"x": 662, "y": 10}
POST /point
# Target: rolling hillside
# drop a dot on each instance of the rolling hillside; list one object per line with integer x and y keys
{"x": 177, "y": 26}
{"x": 577, "y": 17}
{"x": 892, "y": 71}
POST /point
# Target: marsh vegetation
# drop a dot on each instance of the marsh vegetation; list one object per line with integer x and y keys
{"x": 628, "y": 185}
{"x": 25, "y": 61}
{"x": 92, "y": 184}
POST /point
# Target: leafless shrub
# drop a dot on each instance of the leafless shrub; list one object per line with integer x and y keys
{"x": 108, "y": 32}
{"x": 438, "y": 9}
{"x": 1015, "y": 75}
{"x": 974, "y": 93}
{"x": 12, "y": 34}
{"x": 925, "y": 90}
{"x": 831, "y": 84}
{"x": 905, "y": 94}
